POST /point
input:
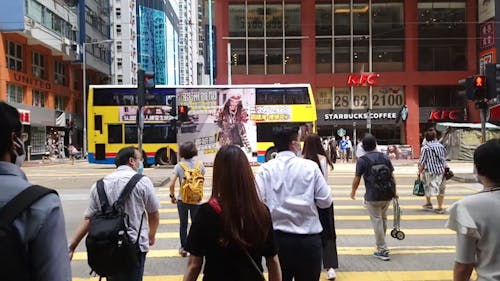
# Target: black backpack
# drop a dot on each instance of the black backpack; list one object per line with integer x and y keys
{"x": 382, "y": 176}
{"x": 109, "y": 248}
{"x": 13, "y": 256}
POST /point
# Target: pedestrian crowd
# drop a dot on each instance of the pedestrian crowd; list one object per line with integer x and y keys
{"x": 287, "y": 217}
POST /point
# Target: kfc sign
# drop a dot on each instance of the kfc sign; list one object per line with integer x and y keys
{"x": 362, "y": 79}
{"x": 24, "y": 116}
{"x": 446, "y": 115}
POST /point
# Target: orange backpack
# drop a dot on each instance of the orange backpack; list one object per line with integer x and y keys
{"x": 192, "y": 184}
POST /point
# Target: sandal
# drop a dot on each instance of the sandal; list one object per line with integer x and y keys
{"x": 427, "y": 206}
{"x": 439, "y": 211}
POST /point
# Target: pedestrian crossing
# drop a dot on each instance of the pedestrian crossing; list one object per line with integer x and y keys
{"x": 427, "y": 252}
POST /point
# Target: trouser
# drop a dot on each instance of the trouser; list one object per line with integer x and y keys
{"x": 299, "y": 255}
{"x": 135, "y": 273}
{"x": 183, "y": 209}
{"x": 378, "y": 216}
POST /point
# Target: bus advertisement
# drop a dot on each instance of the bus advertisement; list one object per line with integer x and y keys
{"x": 243, "y": 115}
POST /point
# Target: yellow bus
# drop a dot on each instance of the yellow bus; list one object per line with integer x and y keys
{"x": 244, "y": 115}
{"x": 111, "y": 123}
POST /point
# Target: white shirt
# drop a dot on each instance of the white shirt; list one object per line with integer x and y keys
{"x": 293, "y": 188}
{"x": 143, "y": 198}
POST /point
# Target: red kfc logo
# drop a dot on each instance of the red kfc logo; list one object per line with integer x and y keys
{"x": 362, "y": 79}
{"x": 446, "y": 115}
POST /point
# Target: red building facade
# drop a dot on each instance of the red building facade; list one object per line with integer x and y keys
{"x": 363, "y": 58}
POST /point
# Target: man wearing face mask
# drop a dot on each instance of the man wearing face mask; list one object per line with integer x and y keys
{"x": 293, "y": 188}
{"x": 142, "y": 199}
{"x": 41, "y": 226}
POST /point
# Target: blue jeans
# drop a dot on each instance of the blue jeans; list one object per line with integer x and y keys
{"x": 135, "y": 273}
{"x": 183, "y": 209}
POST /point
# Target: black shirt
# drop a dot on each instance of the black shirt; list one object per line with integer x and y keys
{"x": 225, "y": 263}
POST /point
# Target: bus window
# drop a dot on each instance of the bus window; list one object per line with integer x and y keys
{"x": 152, "y": 133}
{"x": 297, "y": 96}
{"x": 98, "y": 123}
{"x": 282, "y": 96}
{"x": 115, "y": 134}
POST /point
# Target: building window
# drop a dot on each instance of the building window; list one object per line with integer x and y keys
{"x": 61, "y": 103}
{"x": 118, "y": 12}
{"x": 15, "y": 93}
{"x": 442, "y": 32}
{"x": 38, "y": 98}
{"x": 440, "y": 96}
{"x": 38, "y": 65}
{"x": 14, "y": 56}
{"x": 118, "y": 29}
{"x": 346, "y": 48}
{"x": 59, "y": 73}
{"x": 38, "y": 140}
{"x": 275, "y": 51}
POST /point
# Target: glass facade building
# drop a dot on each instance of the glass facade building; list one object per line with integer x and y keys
{"x": 157, "y": 42}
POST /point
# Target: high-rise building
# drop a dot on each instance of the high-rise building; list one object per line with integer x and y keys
{"x": 146, "y": 36}
{"x": 193, "y": 24}
{"x": 366, "y": 60}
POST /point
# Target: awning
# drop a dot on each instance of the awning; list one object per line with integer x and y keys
{"x": 445, "y": 125}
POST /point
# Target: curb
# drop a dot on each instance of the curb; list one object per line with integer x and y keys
{"x": 161, "y": 182}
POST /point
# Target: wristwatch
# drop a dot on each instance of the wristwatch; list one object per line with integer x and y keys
{"x": 172, "y": 196}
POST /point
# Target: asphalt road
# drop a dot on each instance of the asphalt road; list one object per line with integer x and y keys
{"x": 427, "y": 252}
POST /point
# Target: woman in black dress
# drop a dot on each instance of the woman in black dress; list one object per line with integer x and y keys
{"x": 233, "y": 231}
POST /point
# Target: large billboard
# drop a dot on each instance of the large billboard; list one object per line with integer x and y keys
{"x": 218, "y": 117}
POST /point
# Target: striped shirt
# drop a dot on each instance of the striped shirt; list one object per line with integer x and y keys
{"x": 433, "y": 157}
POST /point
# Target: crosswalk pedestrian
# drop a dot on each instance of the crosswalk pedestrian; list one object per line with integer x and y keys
{"x": 427, "y": 252}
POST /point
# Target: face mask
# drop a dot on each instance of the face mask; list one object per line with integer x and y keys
{"x": 140, "y": 170}
{"x": 18, "y": 155}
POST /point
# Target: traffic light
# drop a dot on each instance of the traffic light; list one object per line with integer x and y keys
{"x": 145, "y": 83}
{"x": 492, "y": 80}
{"x": 173, "y": 106}
{"x": 478, "y": 87}
{"x": 183, "y": 113}
{"x": 466, "y": 88}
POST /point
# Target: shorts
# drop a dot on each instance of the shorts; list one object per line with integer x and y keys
{"x": 434, "y": 184}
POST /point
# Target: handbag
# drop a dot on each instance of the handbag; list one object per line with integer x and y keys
{"x": 448, "y": 174}
{"x": 418, "y": 188}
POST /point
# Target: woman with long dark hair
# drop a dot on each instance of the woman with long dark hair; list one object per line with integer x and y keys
{"x": 233, "y": 231}
{"x": 313, "y": 150}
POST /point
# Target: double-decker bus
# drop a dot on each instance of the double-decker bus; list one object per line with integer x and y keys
{"x": 111, "y": 123}
{"x": 243, "y": 115}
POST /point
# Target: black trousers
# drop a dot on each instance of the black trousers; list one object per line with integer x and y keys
{"x": 328, "y": 238}
{"x": 300, "y": 256}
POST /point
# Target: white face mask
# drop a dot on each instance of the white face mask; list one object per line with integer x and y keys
{"x": 140, "y": 169}
{"x": 18, "y": 154}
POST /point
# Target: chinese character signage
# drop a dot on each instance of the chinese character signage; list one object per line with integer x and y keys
{"x": 151, "y": 113}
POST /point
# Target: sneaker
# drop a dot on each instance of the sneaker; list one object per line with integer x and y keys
{"x": 427, "y": 206}
{"x": 183, "y": 252}
{"x": 383, "y": 255}
{"x": 330, "y": 274}
{"x": 439, "y": 211}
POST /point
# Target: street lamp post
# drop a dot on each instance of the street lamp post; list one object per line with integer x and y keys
{"x": 85, "y": 90}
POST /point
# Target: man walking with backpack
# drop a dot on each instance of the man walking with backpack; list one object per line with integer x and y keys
{"x": 377, "y": 172}
{"x": 33, "y": 243}
{"x": 121, "y": 196}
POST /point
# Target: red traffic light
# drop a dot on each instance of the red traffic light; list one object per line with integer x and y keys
{"x": 182, "y": 109}
{"x": 479, "y": 81}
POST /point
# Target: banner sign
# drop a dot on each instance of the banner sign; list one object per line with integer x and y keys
{"x": 271, "y": 113}
{"x": 218, "y": 117}
{"x": 151, "y": 113}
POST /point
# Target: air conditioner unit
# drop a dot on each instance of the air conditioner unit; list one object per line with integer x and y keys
{"x": 74, "y": 28}
{"x": 29, "y": 22}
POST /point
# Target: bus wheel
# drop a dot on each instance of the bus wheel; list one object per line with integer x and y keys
{"x": 173, "y": 157}
{"x": 271, "y": 153}
{"x": 161, "y": 157}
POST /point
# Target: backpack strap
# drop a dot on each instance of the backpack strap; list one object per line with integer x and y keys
{"x": 198, "y": 165}
{"x": 183, "y": 166}
{"x": 103, "y": 199}
{"x": 127, "y": 190}
{"x": 20, "y": 202}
